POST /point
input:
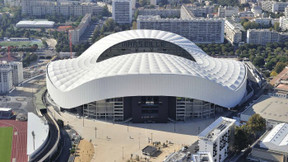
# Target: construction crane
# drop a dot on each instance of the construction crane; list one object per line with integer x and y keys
{"x": 9, "y": 53}
{"x": 70, "y": 43}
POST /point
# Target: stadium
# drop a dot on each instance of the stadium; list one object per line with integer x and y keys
{"x": 146, "y": 76}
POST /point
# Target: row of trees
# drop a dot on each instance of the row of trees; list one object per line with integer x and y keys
{"x": 108, "y": 27}
{"x": 246, "y": 134}
{"x": 253, "y": 25}
{"x": 272, "y": 57}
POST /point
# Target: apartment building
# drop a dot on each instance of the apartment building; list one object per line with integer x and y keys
{"x": 198, "y": 30}
{"x": 273, "y": 6}
{"x": 78, "y": 32}
{"x": 227, "y": 11}
{"x": 122, "y": 11}
{"x": 6, "y": 83}
{"x": 233, "y": 31}
{"x": 161, "y": 12}
{"x": 216, "y": 138}
{"x": 262, "y": 36}
{"x": 66, "y": 8}
{"x": 283, "y": 23}
{"x": 192, "y": 11}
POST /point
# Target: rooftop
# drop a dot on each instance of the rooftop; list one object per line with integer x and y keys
{"x": 216, "y": 128}
{"x": 202, "y": 157}
{"x": 41, "y": 131}
{"x": 270, "y": 107}
{"x": 277, "y": 139}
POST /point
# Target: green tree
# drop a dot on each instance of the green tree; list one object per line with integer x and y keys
{"x": 256, "y": 124}
{"x": 259, "y": 61}
{"x": 277, "y": 26}
{"x": 279, "y": 67}
{"x": 241, "y": 137}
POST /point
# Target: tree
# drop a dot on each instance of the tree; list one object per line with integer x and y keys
{"x": 273, "y": 73}
{"x": 259, "y": 61}
{"x": 279, "y": 67}
{"x": 241, "y": 137}
{"x": 276, "y": 26}
{"x": 256, "y": 124}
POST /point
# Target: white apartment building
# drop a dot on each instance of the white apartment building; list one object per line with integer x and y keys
{"x": 246, "y": 14}
{"x": 216, "y": 138}
{"x": 283, "y": 23}
{"x": 160, "y": 12}
{"x": 122, "y": 11}
{"x": 256, "y": 10}
{"x": 66, "y": 8}
{"x": 15, "y": 3}
{"x": 263, "y": 21}
{"x": 192, "y": 11}
{"x": 6, "y": 83}
{"x": 262, "y": 36}
{"x": 227, "y": 11}
{"x": 272, "y": 6}
{"x": 198, "y": 30}
{"x": 17, "y": 72}
{"x": 78, "y": 32}
{"x": 233, "y": 32}
{"x": 286, "y": 12}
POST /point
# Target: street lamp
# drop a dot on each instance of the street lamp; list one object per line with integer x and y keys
{"x": 95, "y": 132}
{"x": 33, "y": 134}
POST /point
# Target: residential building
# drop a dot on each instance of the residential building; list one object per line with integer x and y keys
{"x": 246, "y": 14}
{"x": 233, "y": 31}
{"x": 262, "y": 36}
{"x": 256, "y": 10}
{"x": 198, "y": 30}
{"x": 66, "y": 8}
{"x": 6, "y": 83}
{"x": 286, "y": 12}
{"x": 227, "y": 11}
{"x": 192, "y": 11}
{"x": 12, "y": 3}
{"x": 263, "y": 21}
{"x": 17, "y": 72}
{"x": 161, "y": 12}
{"x": 283, "y": 23}
{"x": 216, "y": 138}
{"x": 153, "y": 2}
{"x": 78, "y": 32}
{"x": 122, "y": 11}
{"x": 273, "y": 6}
{"x": 202, "y": 157}
{"x": 273, "y": 146}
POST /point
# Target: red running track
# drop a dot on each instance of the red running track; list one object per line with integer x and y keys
{"x": 19, "y": 141}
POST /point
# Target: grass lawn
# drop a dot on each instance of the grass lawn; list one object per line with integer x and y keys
{"x": 6, "y": 134}
{"x": 21, "y": 43}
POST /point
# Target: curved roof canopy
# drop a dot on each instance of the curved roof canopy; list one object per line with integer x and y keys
{"x": 140, "y": 63}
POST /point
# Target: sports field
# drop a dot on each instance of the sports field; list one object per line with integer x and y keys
{"x": 6, "y": 134}
{"x": 21, "y": 43}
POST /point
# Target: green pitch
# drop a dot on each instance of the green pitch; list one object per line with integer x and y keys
{"x": 21, "y": 43}
{"x": 6, "y": 134}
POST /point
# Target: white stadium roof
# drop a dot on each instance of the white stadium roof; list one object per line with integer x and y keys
{"x": 78, "y": 81}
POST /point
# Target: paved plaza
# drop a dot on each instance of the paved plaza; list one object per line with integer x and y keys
{"x": 116, "y": 142}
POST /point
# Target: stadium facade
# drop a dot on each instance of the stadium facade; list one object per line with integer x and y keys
{"x": 146, "y": 75}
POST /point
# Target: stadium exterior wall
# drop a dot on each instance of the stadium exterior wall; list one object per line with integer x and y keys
{"x": 146, "y": 84}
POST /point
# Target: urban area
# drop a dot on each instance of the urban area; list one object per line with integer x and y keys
{"x": 143, "y": 80}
